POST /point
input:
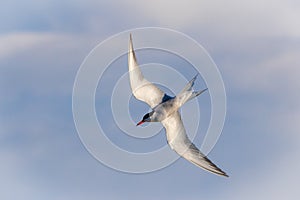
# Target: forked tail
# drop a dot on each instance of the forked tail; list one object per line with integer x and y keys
{"x": 187, "y": 93}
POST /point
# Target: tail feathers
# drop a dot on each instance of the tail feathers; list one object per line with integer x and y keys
{"x": 198, "y": 93}
{"x": 189, "y": 86}
{"x": 187, "y": 94}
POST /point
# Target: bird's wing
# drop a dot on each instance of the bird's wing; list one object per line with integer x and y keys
{"x": 180, "y": 143}
{"x": 141, "y": 88}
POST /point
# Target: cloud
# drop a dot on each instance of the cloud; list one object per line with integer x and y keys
{"x": 277, "y": 179}
{"x": 14, "y": 43}
{"x": 248, "y": 18}
{"x": 275, "y": 73}
{"x": 40, "y": 63}
{"x": 255, "y": 45}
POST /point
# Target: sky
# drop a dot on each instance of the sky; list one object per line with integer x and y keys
{"x": 256, "y": 46}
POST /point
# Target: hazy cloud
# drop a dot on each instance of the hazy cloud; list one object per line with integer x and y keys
{"x": 254, "y": 43}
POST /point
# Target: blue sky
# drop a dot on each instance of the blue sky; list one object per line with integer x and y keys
{"x": 255, "y": 44}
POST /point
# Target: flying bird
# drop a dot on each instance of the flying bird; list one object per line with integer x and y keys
{"x": 165, "y": 110}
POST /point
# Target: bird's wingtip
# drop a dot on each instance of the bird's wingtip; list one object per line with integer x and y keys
{"x": 196, "y": 75}
{"x": 130, "y": 42}
{"x": 225, "y": 175}
{"x": 204, "y": 90}
{"x": 222, "y": 173}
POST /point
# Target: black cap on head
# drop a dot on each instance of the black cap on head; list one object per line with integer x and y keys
{"x": 146, "y": 116}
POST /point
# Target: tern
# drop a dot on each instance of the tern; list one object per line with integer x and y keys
{"x": 165, "y": 110}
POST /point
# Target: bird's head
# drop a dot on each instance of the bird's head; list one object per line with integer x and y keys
{"x": 146, "y": 118}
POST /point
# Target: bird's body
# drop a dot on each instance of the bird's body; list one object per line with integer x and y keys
{"x": 165, "y": 110}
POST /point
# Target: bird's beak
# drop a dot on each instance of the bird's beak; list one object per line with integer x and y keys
{"x": 141, "y": 122}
